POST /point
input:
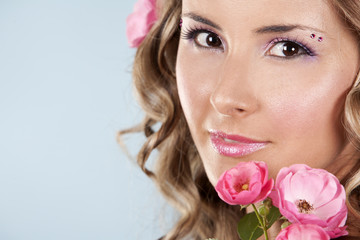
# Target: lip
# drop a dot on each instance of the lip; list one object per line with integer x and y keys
{"x": 234, "y": 145}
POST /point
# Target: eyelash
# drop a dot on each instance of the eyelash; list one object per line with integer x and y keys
{"x": 191, "y": 33}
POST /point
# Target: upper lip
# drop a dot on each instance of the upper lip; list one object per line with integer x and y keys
{"x": 234, "y": 137}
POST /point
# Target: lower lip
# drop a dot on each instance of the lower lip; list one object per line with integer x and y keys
{"x": 234, "y": 149}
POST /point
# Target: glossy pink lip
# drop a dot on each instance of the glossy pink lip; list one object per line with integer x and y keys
{"x": 234, "y": 145}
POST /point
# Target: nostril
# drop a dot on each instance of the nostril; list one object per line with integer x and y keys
{"x": 229, "y": 100}
{"x": 227, "y": 106}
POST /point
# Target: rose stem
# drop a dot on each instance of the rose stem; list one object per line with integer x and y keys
{"x": 262, "y": 223}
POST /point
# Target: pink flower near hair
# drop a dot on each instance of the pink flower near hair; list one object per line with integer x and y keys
{"x": 139, "y": 23}
{"x": 303, "y": 232}
{"x": 308, "y": 195}
{"x": 245, "y": 184}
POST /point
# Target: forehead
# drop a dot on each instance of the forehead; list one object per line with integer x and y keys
{"x": 242, "y": 13}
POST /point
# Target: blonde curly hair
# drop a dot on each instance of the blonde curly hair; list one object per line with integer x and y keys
{"x": 179, "y": 172}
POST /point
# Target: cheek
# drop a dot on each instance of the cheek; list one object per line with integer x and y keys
{"x": 195, "y": 81}
{"x": 300, "y": 111}
{"x": 311, "y": 111}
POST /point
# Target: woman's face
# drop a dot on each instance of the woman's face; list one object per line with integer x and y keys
{"x": 265, "y": 80}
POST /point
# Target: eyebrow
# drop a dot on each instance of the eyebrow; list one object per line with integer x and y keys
{"x": 261, "y": 30}
{"x": 284, "y": 28}
{"x": 200, "y": 19}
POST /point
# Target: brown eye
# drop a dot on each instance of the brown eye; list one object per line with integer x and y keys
{"x": 286, "y": 49}
{"x": 208, "y": 39}
{"x": 290, "y": 49}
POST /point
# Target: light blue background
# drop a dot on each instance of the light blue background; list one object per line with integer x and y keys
{"x": 65, "y": 90}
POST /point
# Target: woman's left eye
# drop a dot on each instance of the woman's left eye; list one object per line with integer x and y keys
{"x": 287, "y": 49}
{"x": 207, "y": 40}
{"x": 203, "y": 38}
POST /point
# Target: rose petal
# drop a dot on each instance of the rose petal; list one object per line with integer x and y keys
{"x": 317, "y": 187}
{"x": 140, "y": 21}
{"x": 251, "y": 173}
{"x": 303, "y": 232}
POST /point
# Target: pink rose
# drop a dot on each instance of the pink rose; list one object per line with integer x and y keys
{"x": 302, "y": 232}
{"x": 245, "y": 184}
{"x": 139, "y": 23}
{"x": 315, "y": 196}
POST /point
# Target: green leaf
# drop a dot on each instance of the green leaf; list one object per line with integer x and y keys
{"x": 273, "y": 216}
{"x": 249, "y": 226}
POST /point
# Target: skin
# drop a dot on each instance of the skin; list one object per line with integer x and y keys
{"x": 245, "y": 87}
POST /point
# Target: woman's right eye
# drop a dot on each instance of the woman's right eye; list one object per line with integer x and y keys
{"x": 207, "y": 40}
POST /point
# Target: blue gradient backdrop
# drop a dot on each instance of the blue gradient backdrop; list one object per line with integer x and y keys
{"x": 65, "y": 90}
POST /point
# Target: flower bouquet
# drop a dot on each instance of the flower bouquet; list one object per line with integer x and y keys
{"x": 309, "y": 202}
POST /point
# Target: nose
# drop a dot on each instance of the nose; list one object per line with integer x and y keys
{"x": 234, "y": 94}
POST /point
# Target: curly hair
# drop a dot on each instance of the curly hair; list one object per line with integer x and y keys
{"x": 179, "y": 172}
{"x": 349, "y": 11}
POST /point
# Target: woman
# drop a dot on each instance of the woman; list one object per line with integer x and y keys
{"x": 273, "y": 81}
